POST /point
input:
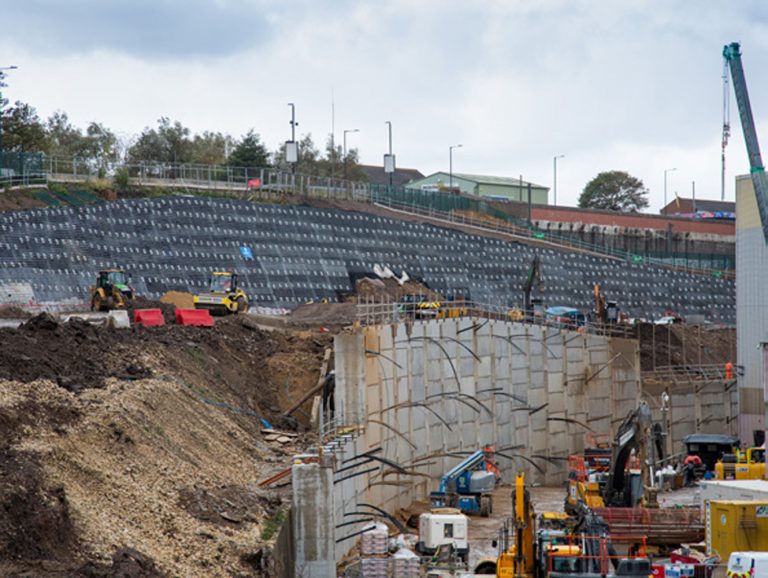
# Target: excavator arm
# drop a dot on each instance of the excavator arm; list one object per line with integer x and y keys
{"x": 534, "y": 276}
{"x": 633, "y": 433}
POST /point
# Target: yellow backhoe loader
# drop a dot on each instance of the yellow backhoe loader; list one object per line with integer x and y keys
{"x": 111, "y": 290}
{"x": 224, "y": 295}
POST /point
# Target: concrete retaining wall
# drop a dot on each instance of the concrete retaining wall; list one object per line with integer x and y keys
{"x": 415, "y": 391}
{"x": 412, "y": 393}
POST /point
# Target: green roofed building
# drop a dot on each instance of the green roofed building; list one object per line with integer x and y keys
{"x": 483, "y": 186}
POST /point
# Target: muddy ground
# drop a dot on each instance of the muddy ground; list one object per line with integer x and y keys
{"x": 137, "y": 452}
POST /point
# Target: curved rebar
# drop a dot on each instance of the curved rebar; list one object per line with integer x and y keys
{"x": 474, "y": 327}
{"x": 522, "y": 457}
{"x": 360, "y": 473}
{"x": 537, "y": 409}
{"x": 363, "y": 455}
{"x": 372, "y": 352}
{"x": 472, "y": 353}
{"x": 570, "y": 420}
{"x": 505, "y": 394}
{"x": 393, "y": 430}
{"x": 354, "y": 522}
{"x": 397, "y": 523}
{"x": 445, "y": 352}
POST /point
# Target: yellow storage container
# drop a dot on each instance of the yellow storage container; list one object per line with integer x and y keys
{"x": 736, "y": 526}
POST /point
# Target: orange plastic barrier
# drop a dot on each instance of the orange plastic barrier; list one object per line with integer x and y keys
{"x": 200, "y": 317}
{"x": 148, "y": 317}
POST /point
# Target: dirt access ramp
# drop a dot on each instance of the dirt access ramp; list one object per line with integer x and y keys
{"x": 150, "y": 473}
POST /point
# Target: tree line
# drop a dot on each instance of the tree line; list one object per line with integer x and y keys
{"x": 167, "y": 142}
{"x": 170, "y": 142}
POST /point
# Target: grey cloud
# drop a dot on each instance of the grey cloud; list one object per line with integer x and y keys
{"x": 163, "y": 29}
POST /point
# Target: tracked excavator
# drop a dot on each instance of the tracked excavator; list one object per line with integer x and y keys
{"x": 533, "y": 307}
{"x": 639, "y": 443}
{"x": 605, "y": 311}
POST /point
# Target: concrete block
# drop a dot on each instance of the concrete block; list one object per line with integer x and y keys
{"x": 118, "y": 319}
{"x": 484, "y": 366}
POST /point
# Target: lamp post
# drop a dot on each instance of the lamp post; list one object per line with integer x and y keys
{"x": 554, "y": 177}
{"x": 291, "y": 148}
{"x": 391, "y": 169}
{"x": 3, "y": 85}
{"x": 450, "y": 165}
{"x": 345, "y": 147}
{"x": 665, "y": 183}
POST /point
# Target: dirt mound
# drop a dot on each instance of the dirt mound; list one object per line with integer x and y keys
{"x": 388, "y": 290}
{"x": 36, "y": 522}
{"x": 13, "y": 312}
{"x": 76, "y": 354}
{"x": 229, "y": 505}
{"x": 179, "y": 299}
{"x": 685, "y": 345}
{"x": 168, "y": 309}
{"x": 323, "y": 314}
{"x": 145, "y": 476}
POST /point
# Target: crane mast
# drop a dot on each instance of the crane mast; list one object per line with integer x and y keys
{"x": 732, "y": 55}
{"x": 726, "y": 127}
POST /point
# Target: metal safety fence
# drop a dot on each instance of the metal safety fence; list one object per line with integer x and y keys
{"x": 373, "y": 311}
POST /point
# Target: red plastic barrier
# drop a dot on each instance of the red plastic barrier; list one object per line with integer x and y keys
{"x": 148, "y": 317}
{"x": 194, "y": 317}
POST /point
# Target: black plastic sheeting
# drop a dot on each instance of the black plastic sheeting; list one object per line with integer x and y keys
{"x": 289, "y": 254}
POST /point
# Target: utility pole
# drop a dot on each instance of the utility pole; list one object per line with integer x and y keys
{"x": 389, "y": 159}
{"x": 665, "y": 183}
{"x": 292, "y": 147}
{"x": 450, "y": 165}
{"x": 554, "y": 178}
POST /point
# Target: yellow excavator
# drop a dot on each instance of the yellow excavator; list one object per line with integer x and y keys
{"x": 111, "y": 290}
{"x": 517, "y": 560}
{"x": 224, "y": 295}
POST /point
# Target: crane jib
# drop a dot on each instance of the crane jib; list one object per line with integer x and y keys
{"x": 732, "y": 55}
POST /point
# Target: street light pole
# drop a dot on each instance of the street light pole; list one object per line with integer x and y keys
{"x": 450, "y": 165}
{"x": 3, "y": 85}
{"x": 345, "y": 147}
{"x": 293, "y": 121}
{"x": 294, "y": 153}
{"x": 665, "y": 183}
{"x": 389, "y": 124}
{"x": 554, "y": 179}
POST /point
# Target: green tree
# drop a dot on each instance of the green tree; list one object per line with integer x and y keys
{"x": 100, "y": 144}
{"x": 614, "y": 191}
{"x": 168, "y": 143}
{"x": 64, "y": 140}
{"x": 22, "y": 129}
{"x": 249, "y": 152}
{"x": 333, "y": 163}
{"x": 210, "y": 148}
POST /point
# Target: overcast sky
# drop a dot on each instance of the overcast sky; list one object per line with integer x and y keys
{"x": 632, "y": 85}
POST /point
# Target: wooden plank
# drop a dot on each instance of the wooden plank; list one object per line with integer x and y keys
{"x": 320, "y": 383}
